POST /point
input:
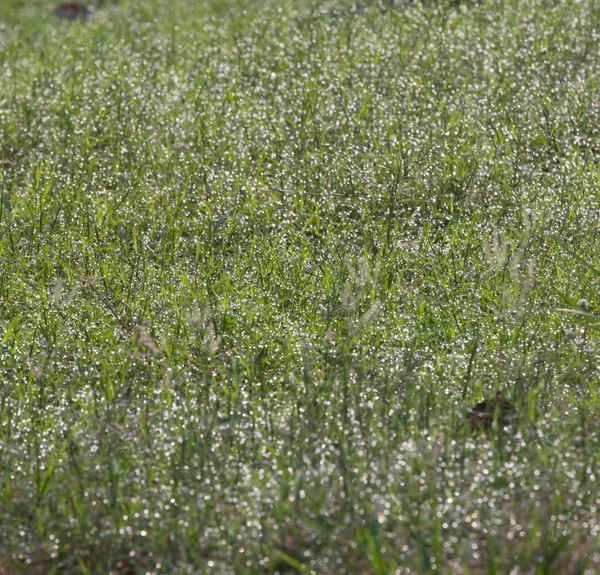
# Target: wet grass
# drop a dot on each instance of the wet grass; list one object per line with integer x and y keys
{"x": 264, "y": 265}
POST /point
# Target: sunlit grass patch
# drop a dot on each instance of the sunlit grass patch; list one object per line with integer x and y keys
{"x": 297, "y": 287}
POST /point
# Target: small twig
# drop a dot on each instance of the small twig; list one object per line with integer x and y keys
{"x": 105, "y": 301}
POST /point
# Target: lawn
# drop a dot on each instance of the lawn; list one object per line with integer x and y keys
{"x": 298, "y": 286}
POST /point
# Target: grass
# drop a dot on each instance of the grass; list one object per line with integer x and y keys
{"x": 258, "y": 260}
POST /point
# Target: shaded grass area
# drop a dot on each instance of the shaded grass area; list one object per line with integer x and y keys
{"x": 258, "y": 261}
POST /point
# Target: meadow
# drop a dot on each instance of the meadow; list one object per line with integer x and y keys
{"x": 259, "y": 262}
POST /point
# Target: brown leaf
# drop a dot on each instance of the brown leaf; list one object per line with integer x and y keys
{"x": 483, "y": 415}
{"x": 73, "y": 11}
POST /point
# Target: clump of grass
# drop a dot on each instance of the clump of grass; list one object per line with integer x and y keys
{"x": 259, "y": 260}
